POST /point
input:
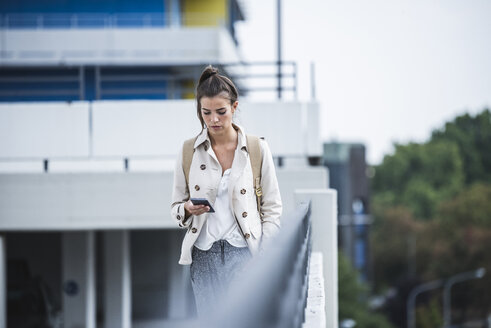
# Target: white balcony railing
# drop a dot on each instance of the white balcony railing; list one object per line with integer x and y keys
{"x": 119, "y": 39}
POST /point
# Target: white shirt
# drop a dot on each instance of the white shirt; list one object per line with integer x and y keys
{"x": 221, "y": 224}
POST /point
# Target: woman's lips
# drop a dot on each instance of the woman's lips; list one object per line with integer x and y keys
{"x": 216, "y": 127}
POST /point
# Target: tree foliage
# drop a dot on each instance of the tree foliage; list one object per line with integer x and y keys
{"x": 432, "y": 209}
{"x": 473, "y": 137}
{"x": 352, "y": 298}
{"x": 419, "y": 176}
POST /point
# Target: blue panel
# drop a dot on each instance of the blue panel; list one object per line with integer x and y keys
{"x": 39, "y": 84}
{"x": 119, "y": 83}
{"x": 44, "y": 84}
{"x": 360, "y": 253}
{"x": 82, "y": 6}
{"x": 137, "y": 96}
{"x": 23, "y": 98}
{"x": 89, "y": 84}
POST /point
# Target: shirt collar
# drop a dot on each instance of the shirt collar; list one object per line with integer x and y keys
{"x": 204, "y": 137}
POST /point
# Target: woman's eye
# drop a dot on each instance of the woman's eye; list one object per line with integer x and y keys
{"x": 206, "y": 113}
{"x": 222, "y": 113}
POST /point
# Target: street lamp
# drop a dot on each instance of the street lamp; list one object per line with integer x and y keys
{"x": 447, "y": 308}
{"x": 411, "y": 300}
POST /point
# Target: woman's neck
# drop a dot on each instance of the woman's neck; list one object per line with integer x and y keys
{"x": 230, "y": 136}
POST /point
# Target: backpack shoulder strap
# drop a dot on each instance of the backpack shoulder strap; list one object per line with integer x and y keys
{"x": 256, "y": 163}
{"x": 187, "y": 157}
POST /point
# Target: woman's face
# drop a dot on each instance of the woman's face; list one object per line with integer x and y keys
{"x": 217, "y": 112}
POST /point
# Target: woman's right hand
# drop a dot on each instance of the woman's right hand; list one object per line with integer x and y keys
{"x": 191, "y": 209}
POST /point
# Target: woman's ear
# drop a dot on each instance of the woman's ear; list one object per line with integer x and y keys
{"x": 234, "y": 106}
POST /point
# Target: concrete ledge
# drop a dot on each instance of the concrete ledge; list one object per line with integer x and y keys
{"x": 315, "y": 314}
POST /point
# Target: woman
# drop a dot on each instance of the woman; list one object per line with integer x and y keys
{"x": 218, "y": 244}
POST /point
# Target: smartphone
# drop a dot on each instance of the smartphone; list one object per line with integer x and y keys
{"x": 202, "y": 201}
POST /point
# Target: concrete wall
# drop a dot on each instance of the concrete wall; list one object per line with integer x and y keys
{"x": 44, "y": 130}
{"x": 78, "y": 201}
{"x": 104, "y": 130}
{"x": 98, "y": 46}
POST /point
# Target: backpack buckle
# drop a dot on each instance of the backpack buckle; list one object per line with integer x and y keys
{"x": 259, "y": 191}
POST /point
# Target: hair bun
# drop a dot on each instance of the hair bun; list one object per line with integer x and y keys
{"x": 208, "y": 72}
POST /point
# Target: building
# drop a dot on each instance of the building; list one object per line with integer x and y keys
{"x": 93, "y": 109}
{"x": 92, "y": 50}
{"x": 348, "y": 174}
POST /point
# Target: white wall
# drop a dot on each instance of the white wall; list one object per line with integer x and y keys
{"x": 102, "y": 129}
{"x": 77, "y": 201}
{"x": 129, "y": 128}
{"x": 97, "y": 46}
{"x": 292, "y": 179}
{"x": 43, "y": 130}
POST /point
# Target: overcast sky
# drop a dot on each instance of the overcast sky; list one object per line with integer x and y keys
{"x": 386, "y": 71}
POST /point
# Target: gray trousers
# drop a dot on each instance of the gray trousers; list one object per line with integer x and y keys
{"x": 213, "y": 270}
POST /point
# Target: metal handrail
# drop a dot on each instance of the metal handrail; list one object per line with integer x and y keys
{"x": 241, "y": 72}
{"x": 272, "y": 291}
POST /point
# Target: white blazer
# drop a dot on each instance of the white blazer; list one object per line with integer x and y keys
{"x": 204, "y": 178}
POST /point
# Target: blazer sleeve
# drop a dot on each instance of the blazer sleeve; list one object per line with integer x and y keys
{"x": 180, "y": 195}
{"x": 271, "y": 205}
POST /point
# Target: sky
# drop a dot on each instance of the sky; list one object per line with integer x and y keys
{"x": 385, "y": 71}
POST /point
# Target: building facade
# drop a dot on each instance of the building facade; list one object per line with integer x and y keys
{"x": 348, "y": 174}
{"x": 94, "y": 105}
{"x": 93, "y": 50}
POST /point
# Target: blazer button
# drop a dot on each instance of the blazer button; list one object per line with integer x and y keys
{"x": 178, "y": 217}
{"x": 206, "y": 147}
{"x": 247, "y": 236}
{"x": 243, "y": 191}
{"x": 244, "y": 215}
{"x": 203, "y": 166}
{"x": 196, "y": 187}
{"x": 194, "y": 230}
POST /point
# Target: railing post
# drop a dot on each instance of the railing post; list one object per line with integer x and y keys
{"x": 278, "y": 15}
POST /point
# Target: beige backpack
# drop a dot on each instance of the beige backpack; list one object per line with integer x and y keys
{"x": 254, "y": 155}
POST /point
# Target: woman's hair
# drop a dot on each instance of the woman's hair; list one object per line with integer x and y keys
{"x": 212, "y": 84}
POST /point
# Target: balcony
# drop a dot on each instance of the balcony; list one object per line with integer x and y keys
{"x": 119, "y": 39}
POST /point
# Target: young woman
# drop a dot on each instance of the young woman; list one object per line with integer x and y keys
{"x": 217, "y": 244}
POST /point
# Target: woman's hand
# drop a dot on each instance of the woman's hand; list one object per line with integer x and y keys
{"x": 191, "y": 209}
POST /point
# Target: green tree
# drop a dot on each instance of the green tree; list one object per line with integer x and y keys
{"x": 471, "y": 207}
{"x": 432, "y": 210}
{"x": 472, "y": 134}
{"x": 419, "y": 176}
{"x": 459, "y": 240}
{"x": 352, "y": 298}
{"x": 393, "y": 242}
{"x": 429, "y": 316}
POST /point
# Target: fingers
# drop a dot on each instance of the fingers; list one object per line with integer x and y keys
{"x": 196, "y": 209}
{"x": 199, "y": 209}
